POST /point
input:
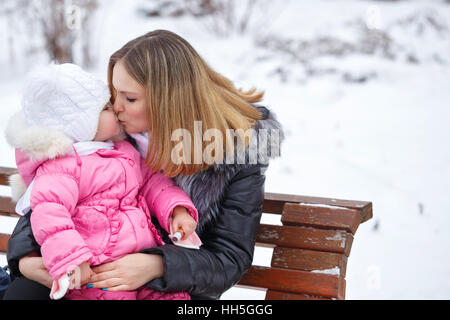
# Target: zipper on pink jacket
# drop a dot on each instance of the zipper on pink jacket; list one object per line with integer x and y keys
{"x": 78, "y": 157}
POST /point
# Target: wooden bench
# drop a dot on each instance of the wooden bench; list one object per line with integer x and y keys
{"x": 310, "y": 249}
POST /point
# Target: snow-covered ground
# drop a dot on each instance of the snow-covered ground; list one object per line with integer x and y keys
{"x": 366, "y": 121}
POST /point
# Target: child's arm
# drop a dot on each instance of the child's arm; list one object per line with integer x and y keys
{"x": 53, "y": 200}
{"x": 182, "y": 220}
{"x": 163, "y": 196}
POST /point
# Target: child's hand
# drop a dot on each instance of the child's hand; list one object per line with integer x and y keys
{"x": 71, "y": 280}
{"x": 181, "y": 219}
{"x": 85, "y": 273}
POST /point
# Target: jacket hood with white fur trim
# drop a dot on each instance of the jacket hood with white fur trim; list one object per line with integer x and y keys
{"x": 37, "y": 142}
{"x": 33, "y": 145}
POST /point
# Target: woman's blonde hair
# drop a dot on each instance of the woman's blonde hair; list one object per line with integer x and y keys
{"x": 180, "y": 89}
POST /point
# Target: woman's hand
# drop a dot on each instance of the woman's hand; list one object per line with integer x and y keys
{"x": 127, "y": 273}
{"x": 32, "y": 267}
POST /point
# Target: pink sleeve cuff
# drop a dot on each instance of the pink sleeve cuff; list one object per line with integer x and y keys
{"x": 69, "y": 263}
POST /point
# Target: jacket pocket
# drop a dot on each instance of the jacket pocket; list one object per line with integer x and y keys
{"x": 94, "y": 227}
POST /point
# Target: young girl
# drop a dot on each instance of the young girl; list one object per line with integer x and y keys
{"x": 91, "y": 198}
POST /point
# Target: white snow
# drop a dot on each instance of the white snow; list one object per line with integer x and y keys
{"x": 332, "y": 271}
{"x": 323, "y": 205}
{"x": 337, "y": 237}
{"x": 384, "y": 138}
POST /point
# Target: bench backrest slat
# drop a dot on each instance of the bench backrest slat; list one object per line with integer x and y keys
{"x": 321, "y": 217}
{"x": 4, "y": 242}
{"x": 7, "y": 207}
{"x": 309, "y": 260}
{"x": 337, "y": 241}
{"x": 274, "y": 203}
{"x": 280, "y": 295}
{"x": 4, "y": 175}
{"x": 295, "y": 281}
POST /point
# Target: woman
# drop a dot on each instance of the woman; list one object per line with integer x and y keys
{"x": 160, "y": 85}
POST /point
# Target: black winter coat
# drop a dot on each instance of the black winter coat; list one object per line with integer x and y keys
{"x": 229, "y": 200}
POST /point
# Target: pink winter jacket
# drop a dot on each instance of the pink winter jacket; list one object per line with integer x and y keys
{"x": 97, "y": 208}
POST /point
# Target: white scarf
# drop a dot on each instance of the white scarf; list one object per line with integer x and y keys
{"x": 82, "y": 149}
{"x": 142, "y": 142}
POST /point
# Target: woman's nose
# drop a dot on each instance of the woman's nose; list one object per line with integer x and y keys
{"x": 117, "y": 106}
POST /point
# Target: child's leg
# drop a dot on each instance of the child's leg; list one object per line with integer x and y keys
{"x": 25, "y": 289}
{"x": 98, "y": 294}
{"x": 145, "y": 293}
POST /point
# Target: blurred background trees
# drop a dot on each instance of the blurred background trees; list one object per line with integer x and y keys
{"x": 66, "y": 30}
{"x": 62, "y": 27}
{"x": 222, "y": 17}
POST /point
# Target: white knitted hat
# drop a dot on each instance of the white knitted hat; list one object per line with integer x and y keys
{"x": 66, "y": 99}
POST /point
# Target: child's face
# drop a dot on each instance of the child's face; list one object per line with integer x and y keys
{"x": 108, "y": 124}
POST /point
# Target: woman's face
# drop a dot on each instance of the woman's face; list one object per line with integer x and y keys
{"x": 130, "y": 100}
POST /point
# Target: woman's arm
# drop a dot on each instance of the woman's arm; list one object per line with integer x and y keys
{"x": 32, "y": 267}
{"x": 23, "y": 254}
{"x": 228, "y": 245}
{"x": 21, "y": 243}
